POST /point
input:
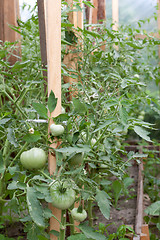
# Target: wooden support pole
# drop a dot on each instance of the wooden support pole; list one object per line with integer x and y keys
{"x": 9, "y": 13}
{"x": 101, "y": 15}
{"x": 139, "y": 210}
{"x": 42, "y": 31}
{"x": 53, "y": 23}
{"x": 115, "y": 14}
{"x": 70, "y": 59}
{"x": 93, "y": 13}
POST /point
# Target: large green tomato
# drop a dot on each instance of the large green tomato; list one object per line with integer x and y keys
{"x": 77, "y": 159}
{"x": 62, "y": 197}
{"x": 78, "y": 216}
{"x": 34, "y": 158}
{"x": 56, "y": 129}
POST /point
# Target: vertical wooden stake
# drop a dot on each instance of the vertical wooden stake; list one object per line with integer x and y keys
{"x": 70, "y": 59}
{"x": 93, "y": 12}
{"x": 115, "y": 14}
{"x": 9, "y": 13}
{"x": 53, "y": 23}
{"x": 101, "y": 15}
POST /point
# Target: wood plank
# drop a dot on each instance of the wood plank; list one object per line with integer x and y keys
{"x": 53, "y": 23}
{"x": 42, "y": 30}
{"x": 2, "y": 20}
{"x": 101, "y": 14}
{"x": 70, "y": 58}
{"x": 145, "y": 232}
{"x": 93, "y": 12}
{"x": 9, "y": 13}
{"x": 139, "y": 210}
{"x": 115, "y": 14}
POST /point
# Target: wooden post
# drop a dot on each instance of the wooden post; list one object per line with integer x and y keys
{"x": 70, "y": 59}
{"x": 115, "y": 14}
{"x": 9, "y": 12}
{"x": 42, "y": 31}
{"x": 53, "y": 23}
{"x": 101, "y": 15}
{"x": 93, "y": 12}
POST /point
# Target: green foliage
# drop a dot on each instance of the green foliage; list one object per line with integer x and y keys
{"x": 110, "y": 92}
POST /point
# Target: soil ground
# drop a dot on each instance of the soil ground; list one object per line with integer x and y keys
{"x": 125, "y": 211}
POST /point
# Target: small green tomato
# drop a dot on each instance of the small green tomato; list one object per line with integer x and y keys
{"x": 56, "y": 129}
{"x": 77, "y": 159}
{"x": 78, "y": 216}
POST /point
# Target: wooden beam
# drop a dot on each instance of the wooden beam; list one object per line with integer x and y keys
{"x": 115, "y": 14}
{"x": 42, "y": 31}
{"x": 53, "y": 23}
{"x": 93, "y": 12}
{"x": 9, "y": 13}
{"x": 145, "y": 232}
{"x": 70, "y": 58}
{"x": 101, "y": 15}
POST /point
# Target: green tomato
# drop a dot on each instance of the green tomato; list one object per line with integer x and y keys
{"x": 77, "y": 159}
{"x": 78, "y": 216}
{"x": 56, "y": 129}
{"x": 62, "y": 197}
{"x": 34, "y": 158}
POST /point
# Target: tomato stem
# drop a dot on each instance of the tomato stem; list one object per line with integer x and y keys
{"x": 71, "y": 220}
{"x": 44, "y": 174}
{"x": 63, "y": 225}
{"x": 90, "y": 215}
{"x": 18, "y": 154}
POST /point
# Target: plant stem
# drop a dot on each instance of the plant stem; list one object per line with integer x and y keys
{"x": 71, "y": 220}
{"x": 18, "y": 154}
{"x": 63, "y": 225}
{"x": 90, "y": 215}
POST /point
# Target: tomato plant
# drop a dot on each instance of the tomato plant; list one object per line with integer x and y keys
{"x": 34, "y": 158}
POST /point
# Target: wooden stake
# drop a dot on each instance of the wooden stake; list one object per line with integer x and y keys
{"x": 42, "y": 31}
{"x": 101, "y": 15}
{"x": 9, "y": 13}
{"x": 93, "y": 12}
{"x": 53, "y": 23}
{"x": 115, "y": 14}
{"x": 70, "y": 59}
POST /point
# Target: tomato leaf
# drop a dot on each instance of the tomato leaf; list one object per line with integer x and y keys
{"x": 52, "y": 102}
{"x": 79, "y": 236}
{"x": 41, "y": 110}
{"x": 79, "y": 107}
{"x": 35, "y": 208}
{"x": 32, "y": 137}
{"x": 89, "y": 232}
{"x": 2, "y": 166}
{"x": 142, "y": 133}
{"x": 123, "y": 115}
{"x": 153, "y": 209}
{"x": 103, "y": 203}
{"x": 11, "y": 137}
{"x": 117, "y": 188}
